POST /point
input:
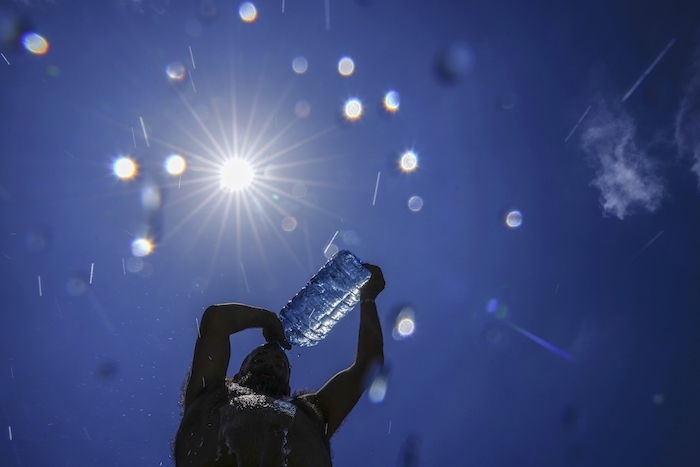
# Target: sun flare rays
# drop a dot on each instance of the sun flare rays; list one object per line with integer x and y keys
{"x": 240, "y": 174}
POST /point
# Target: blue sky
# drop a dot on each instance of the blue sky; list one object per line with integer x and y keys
{"x": 507, "y": 107}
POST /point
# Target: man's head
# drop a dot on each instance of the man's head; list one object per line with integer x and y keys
{"x": 266, "y": 370}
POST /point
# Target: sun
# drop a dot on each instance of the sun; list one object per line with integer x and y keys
{"x": 236, "y": 174}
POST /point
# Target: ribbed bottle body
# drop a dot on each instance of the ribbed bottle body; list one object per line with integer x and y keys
{"x": 330, "y": 295}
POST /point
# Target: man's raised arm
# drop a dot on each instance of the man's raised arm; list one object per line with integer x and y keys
{"x": 340, "y": 394}
{"x": 212, "y": 351}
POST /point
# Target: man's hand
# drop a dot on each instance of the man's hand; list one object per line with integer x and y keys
{"x": 375, "y": 284}
{"x": 274, "y": 332}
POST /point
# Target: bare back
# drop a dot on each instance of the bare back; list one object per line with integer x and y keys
{"x": 233, "y": 426}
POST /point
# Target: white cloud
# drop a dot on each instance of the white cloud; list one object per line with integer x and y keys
{"x": 625, "y": 175}
{"x": 688, "y": 120}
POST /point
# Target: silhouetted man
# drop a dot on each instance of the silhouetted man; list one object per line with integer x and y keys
{"x": 251, "y": 419}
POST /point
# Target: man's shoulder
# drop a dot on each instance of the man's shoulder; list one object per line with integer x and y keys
{"x": 206, "y": 400}
{"x": 308, "y": 404}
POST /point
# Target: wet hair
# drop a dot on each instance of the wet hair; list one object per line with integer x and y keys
{"x": 257, "y": 350}
{"x": 255, "y": 380}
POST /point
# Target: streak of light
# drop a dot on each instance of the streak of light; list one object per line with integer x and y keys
{"x": 282, "y": 6}
{"x": 328, "y": 15}
{"x": 647, "y": 245}
{"x": 123, "y": 267}
{"x": 245, "y": 278}
{"x": 540, "y": 341}
{"x": 192, "y": 81}
{"x": 69, "y": 154}
{"x": 389, "y": 426}
{"x": 158, "y": 340}
{"x": 651, "y": 67}
{"x": 87, "y": 434}
{"x": 92, "y": 270}
{"x": 3, "y": 56}
{"x": 12, "y": 372}
{"x": 328, "y": 245}
{"x": 198, "y": 332}
{"x": 179, "y": 181}
{"x": 145, "y": 135}
{"x": 376, "y": 187}
{"x": 59, "y": 308}
{"x": 194, "y": 67}
{"x": 204, "y": 383}
{"x": 577, "y": 124}
{"x": 555, "y": 290}
{"x": 9, "y": 429}
{"x": 133, "y": 135}
{"x": 39, "y": 277}
{"x": 5, "y": 255}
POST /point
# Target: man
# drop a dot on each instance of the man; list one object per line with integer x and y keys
{"x": 251, "y": 419}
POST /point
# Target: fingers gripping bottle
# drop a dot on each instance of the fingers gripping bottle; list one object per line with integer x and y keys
{"x": 330, "y": 294}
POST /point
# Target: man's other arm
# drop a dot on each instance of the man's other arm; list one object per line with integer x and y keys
{"x": 212, "y": 351}
{"x": 340, "y": 394}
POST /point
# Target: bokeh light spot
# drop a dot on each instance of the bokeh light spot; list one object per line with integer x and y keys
{"x": 150, "y": 197}
{"x": 508, "y": 100}
{"x": 248, "y": 12}
{"x": 208, "y": 8}
{"x": 193, "y": 28}
{"x": 35, "y": 43}
{"x": 456, "y": 62}
{"x": 299, "y": 190}
{"x": 350, "y": 237}
{"x": 658, "y": 399}
{"x": 346, "y": 66}
{"x": 405, "y": 324}
{"x": 492, "y": 306}
{"x": 300, "y": 65}
{"x": 514, "y": 219}
{"x": 134, "y": 264}
{"x": 175, "y": 71}
{"x": 405, "y": 327}
{"x": 141, "y": 247}
{"x": 377, "y": 391}
{"x": 289, "y": 224}
{"x": 236, "y": 174}
{"x": 124, "y": 168}
{"x": 408, "y": 161}
{"x": 330, "y": 251}
{"x": 175, "y": 164}
{"x": 302, "y": 109}
{"x": 353, "y": 109}
{"x": 76, "y": 286}
{"x": 392, "y": 101}
{"x": 107, "y": 370}
{"x": 502, "y": 311}
{"x": 38, "y": 238}
{"x": 415, "y": 203}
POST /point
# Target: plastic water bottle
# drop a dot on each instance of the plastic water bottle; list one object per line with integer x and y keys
{"x": 330, "y": 294}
